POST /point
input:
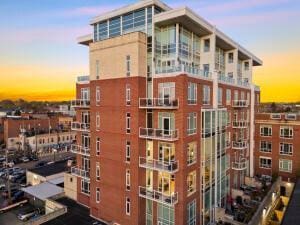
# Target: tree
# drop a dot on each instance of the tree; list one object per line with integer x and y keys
{"x": 273, "y": 107}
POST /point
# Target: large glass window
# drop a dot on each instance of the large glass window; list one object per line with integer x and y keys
{"x": 192, "y": 93}
{"x": 103, "y": 31}
{"x": 228, "y": 97}
{"x": 114, "y": 27}
{"x": 265, "y": 146}
{"x": 206, "y": 95}
{"x": 166, "y": 90}
{"x": 191, "y": 213}
{"x": 85, "y": 187}
{"x": 265, "y": 162}
{"x": 192, "y": 123}
{"x": 191, "y": 153}
{"x": 286, "y": 149}
{"x": 165, "y": 215}
{"x": 285, "y": 165}
{"x": 191, "y": 182}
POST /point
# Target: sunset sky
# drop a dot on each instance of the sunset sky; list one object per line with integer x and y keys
{"x": 40, "y": 59}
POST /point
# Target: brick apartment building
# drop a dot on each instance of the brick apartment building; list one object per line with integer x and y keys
{"x": 165, "y": 120}
{"x": 277, "y": 144}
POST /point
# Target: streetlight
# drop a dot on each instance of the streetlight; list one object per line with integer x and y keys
{"x": 54, "y": 152}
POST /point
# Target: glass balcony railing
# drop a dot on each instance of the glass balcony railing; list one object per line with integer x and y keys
{"x": 240, "y": 103}
{"x": 78, "y": 149}
{"x": 239, "y": 145}
{"x": 159, "y": 165}
{"x": 226, "y": 79}
{"x": 158, "y": 134}
{"x": 195, "y": 71}
{"x": 81, "y": 173}
{"x": 77, "y": 126}
{"x": 240, "y": 165}
{"x": 80, "y": 103}
{"x": 81, "y": 79}
{"x": 159, "y": 103}
{"x": 240, "y": 124}
{"x": 158, "y": 196}
{"x": 244, "y": 83}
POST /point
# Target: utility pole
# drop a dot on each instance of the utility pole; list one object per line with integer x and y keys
{"x": 7, "y": 177}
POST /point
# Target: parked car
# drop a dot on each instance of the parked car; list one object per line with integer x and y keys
{"x": 18, "y": 196}
{"x": 9, "y": 164}
{"x": 12, "y": 192}
{"x": 40, "y": 164}
{"x": 25, "y": 159}
{"x": 2, "y": 187}
{"x": 29, "y": 213}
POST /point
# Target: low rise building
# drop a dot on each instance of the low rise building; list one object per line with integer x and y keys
{"x": 277, "y": 141}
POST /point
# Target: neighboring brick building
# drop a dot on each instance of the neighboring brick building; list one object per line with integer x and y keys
{"x": 277, "y": 144}
{"x": 165, "y": 120}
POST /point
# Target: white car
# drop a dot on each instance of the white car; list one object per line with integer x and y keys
{"x": 25, "y": 159}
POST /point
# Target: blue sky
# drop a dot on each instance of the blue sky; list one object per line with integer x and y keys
{"x": 38, "y": 40}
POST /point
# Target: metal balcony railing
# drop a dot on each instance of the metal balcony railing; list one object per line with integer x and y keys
{"x": 159, "y": 134}
{"x": 240, "y": 124}
{"x": 239, "y": 165}
{"x": 80, "y": 103}
{"x": 240, "y": 103}
{"x": 239, "y": 145}
{"x": 158, "y": 196}
{"x": 159, "y": 165}
{"x": 77, "y": 126}
{"x": 158, "y": 103}
{"x": 84, "y": 174}
{"x": 78, "y": 149}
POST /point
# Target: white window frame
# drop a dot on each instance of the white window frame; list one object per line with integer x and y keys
{"x": 269, "y": 133}
{"x": 192, "y": 91}
{"x": 228, "y": 97}
{"x": 97, "y": 171}
{"x": 263, "y": 166}
{"x": 282, "y": 146}
{"x": 127, "y": 151}
{"x": 127, "y": 206}
{"x": 206, "y": 95}
{"x": 98, "y": 96}
{"x": 98, "y": 146}
{"x": 128, "y": 120}
{"x": 290, "y": 132}
{"x": 97, "y": 121}
{"x": 97, "y": 69}
{"x": 192, "y": 188}
{"x": 192, "y": 118}
{"x": 290, "y": 165}
{"x": 265, "y": 148}
{"x": 128, "y": 94}
{"x": 97, "y": 194}
{"x": 127, "y": 179}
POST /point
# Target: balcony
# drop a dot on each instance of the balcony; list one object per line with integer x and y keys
{"x": 240, "y": 103}
{"x": 159, "y": 165}
{"x": 240, "y": 165}
{"x": 240, "y": 124}
{"x": 158, "y": 103}
{"x": 158, "y": 134}
{"x": 77, "y": 126}
{"x": 77, "y": 149}
{"x": 80, "y": 103}
{"x": 239, "y": 145}
{"x": 183, "y": 69}
{"x": 159, "y": 197}
{"x": 81, "y": 173}
{"x": 83, "y": 79}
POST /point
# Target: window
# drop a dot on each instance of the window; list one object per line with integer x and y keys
{"x": 127, "y": 179}
{"x": 192, "y": 123}
{"x": 128, "y": 65}
{"x": 191, "y": 213}
{"x": 165, "y": 215}
{"x": 246, "y": 66}
{"x": 191, "y": 153}
{"x": 85, "y": 187}
{"x": 265, "y": 131}
{"x": 265, "y": 146}
{"x": 286, "y": 149}
{"x": 114, "y": 27}
{"x": 97, "y": 195}
{"x": 97, "y": 121}
{"x": 230, "y": 57}
{"x": 191, "y": 182}
{"x": 127, "y": 151}
{"x": 265, "y": 163}
{"x": 206, "y": 45}
{"x": 97, "y": 69}
{"x": 206, "y": 95}
{"x": 97, "y": 171}
{"x": 286, "y": 132}
{"x": 127, "y": 94}
{"x": 228, "y": 96}
{"x": 97, "y": 95}
{"x": 275, "y": 116}
{"x": 192, "y": 93}
{"x": 206, "y": 69}
{"x": 98, "y": 146}
{"x": 128, "y": 206}
{"x": 220, "y": 96}
{"x": 128, "y": 123}
{"x": 285, "y": 165}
